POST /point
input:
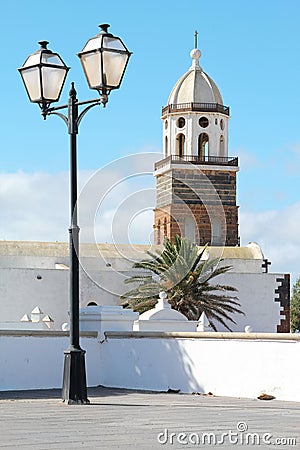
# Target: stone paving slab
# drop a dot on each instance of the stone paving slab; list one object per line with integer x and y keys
{"x": 124, "y": 419}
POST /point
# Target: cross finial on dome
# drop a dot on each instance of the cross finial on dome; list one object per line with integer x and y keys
{"x": 195, "y": 54}
{"x": 196, "y": 38}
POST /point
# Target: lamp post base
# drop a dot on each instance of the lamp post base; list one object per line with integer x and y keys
{"x": 74, "y": 380}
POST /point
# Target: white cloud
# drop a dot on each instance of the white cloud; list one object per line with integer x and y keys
{"x": 35, "y": 206}
{"x": 277, "y": 232}
{"x": 296, "y": 148}
{"x": 292, "y": 163}
{"x": 247, "y": 159}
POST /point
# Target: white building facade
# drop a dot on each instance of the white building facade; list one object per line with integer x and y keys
{"x": 37, "y": 274}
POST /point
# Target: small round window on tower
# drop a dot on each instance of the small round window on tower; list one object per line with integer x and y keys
{"x": 203, "y": 122}
{"x": 222, "y": 124}
{"x": 180, "y": 122}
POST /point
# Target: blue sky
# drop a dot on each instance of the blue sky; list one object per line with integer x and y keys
{"x": 250, "y": 49}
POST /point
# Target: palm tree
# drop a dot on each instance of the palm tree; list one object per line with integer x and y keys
{"x": 179, "y": 271}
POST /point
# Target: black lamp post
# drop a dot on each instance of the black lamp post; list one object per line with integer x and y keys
{"x": 104, "y": 59}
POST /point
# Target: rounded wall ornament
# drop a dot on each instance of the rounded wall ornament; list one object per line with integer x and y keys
{"x": 163, "y": 295}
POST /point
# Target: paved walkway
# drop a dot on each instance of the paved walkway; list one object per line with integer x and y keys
{"x": 129, "y": 419}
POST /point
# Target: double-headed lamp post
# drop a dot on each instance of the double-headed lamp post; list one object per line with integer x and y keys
{"x": 104, "y": 59}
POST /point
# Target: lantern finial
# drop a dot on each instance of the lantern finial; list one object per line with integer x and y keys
{"x": 43, "y": 44}
{"x": 104, "y": 27}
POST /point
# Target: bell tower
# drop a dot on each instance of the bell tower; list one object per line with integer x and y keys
{"x": 196, "y": 179}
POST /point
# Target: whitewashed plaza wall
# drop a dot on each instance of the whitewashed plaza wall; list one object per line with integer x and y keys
{"x": 237, "y": 366}
{"x": 34, "y": 359}
{"x": 225, "y": 364}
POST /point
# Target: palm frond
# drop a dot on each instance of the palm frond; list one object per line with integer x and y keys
{"x": 180, "y": 270}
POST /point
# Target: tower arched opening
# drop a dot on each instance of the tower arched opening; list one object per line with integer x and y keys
{"x": 158, "y": 232}
{"x": 216, "y": 232}
{"x": 180, "y": 145}
{"x": 165, "y": 228}
{"x": 203, "y": 145}
{"x": 222, "y": 146}
{"x": 189, "y": 228}
{"x": 166, "y": 145}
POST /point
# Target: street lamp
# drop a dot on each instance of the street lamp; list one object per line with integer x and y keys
{"x": 104, "y": 59}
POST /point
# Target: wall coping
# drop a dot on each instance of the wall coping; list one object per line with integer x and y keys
{"x": 45, "y": 333}
{"x": 201, "y": 335}
{"x": 158, "y": 335}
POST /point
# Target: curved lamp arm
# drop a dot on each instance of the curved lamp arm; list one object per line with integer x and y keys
{"x": 91, "y": 103}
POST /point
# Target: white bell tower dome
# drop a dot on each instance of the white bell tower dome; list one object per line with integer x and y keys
{"x": 195, "y": 121}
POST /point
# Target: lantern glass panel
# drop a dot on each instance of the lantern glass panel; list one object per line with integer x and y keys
{"x": 53, "y": 79}
{"x": 114, "y": 65}
{"x": 31, "y": 79}
{"x": 32, "y": 60}
{"x": 52, "y": 58}
{"x": 93, "y": 44}
{"x": 113, "y": 43}
{"x": 92, "y": 67}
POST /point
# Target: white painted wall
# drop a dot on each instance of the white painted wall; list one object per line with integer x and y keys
{"x": 231, "y": 367}
{"x": 104, "y": 318}
{"x": 35, "y": 360}
{"x": 255, "y": 291}
{"x": 21, "y": 290}
{"x": 237, "y": 365}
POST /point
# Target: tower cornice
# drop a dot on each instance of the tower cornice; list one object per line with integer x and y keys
{"x": 211, "y": 163}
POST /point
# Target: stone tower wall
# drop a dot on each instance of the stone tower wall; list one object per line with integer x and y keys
{"x": 203, "y": 195}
